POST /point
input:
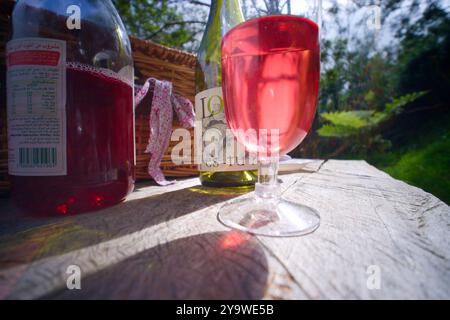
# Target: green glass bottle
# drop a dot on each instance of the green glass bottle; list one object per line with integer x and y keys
{"x": 219, "y": 164}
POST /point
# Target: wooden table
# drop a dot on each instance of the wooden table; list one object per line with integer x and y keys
{"x": 379, "y": 238}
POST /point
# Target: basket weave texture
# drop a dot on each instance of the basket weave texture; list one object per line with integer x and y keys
{"x": 178, "y": 67}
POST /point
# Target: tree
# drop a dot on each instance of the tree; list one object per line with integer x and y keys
{"x": 169, "y": 22}
{"x": 360, "y": 78}
{"x": 180, "y": 23}
{"x": 266, "y": 7}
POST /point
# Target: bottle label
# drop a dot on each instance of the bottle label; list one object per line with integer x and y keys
{"x": 216, "y": 147}
{"x": 36, "y": 106}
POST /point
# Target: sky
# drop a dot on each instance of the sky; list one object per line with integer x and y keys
{"x": 384, "y": 34}
{"x": 368, "y": 13}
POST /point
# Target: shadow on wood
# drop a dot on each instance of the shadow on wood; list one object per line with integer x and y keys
{"x": 41, "y": 238}
{"x": 219, "y": 265}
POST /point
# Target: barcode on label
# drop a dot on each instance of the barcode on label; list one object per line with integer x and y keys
{"x": 37, "y": 157}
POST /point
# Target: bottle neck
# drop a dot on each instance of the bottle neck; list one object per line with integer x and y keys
{"x": 224, "y": 15}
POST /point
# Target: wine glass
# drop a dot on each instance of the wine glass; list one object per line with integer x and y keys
{"x": 271, "y": 73}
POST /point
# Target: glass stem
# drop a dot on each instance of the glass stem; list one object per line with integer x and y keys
{"x": 267, "y": 188}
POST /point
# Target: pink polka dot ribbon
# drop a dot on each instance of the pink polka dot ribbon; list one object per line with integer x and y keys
{"x": 161, "y": 117}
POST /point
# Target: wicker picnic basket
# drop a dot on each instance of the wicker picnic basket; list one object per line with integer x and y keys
{"x": 151, "y": 60}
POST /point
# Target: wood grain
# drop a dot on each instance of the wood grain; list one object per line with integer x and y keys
{"x": 166, "y": 243}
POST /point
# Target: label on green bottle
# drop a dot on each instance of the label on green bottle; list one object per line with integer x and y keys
{"x": 217, "y": 150}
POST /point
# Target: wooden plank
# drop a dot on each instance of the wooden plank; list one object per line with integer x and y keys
{"x": 368, "y": 219}
{"x": 165, "y": 242}
{"x": 179, "y": 218}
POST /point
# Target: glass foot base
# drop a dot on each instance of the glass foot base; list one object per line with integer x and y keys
{"x": 260, "y": 217}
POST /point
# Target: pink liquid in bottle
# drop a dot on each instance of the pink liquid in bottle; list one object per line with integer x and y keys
{"x": 70, "y": 108}
{"x": 100, "y": 148}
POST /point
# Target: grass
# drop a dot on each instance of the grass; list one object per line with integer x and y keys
{"x": 427, "y": 169}
{"x": 425, "y": 163}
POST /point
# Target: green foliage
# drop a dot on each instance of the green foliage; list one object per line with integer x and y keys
{"x": 348, "y": 123}
{"x": 158, "y": 21}
{"x": 355, "y": 79}
{"x": 424, "y": 56}
{"x": 426, "y": 168}
{"x": 423, "y": 161}
{"x": 344, "y": 124}
{"x": 336, "y": 131}
{"x": 396, "y": 105}
{"x": 403, "y": 136}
